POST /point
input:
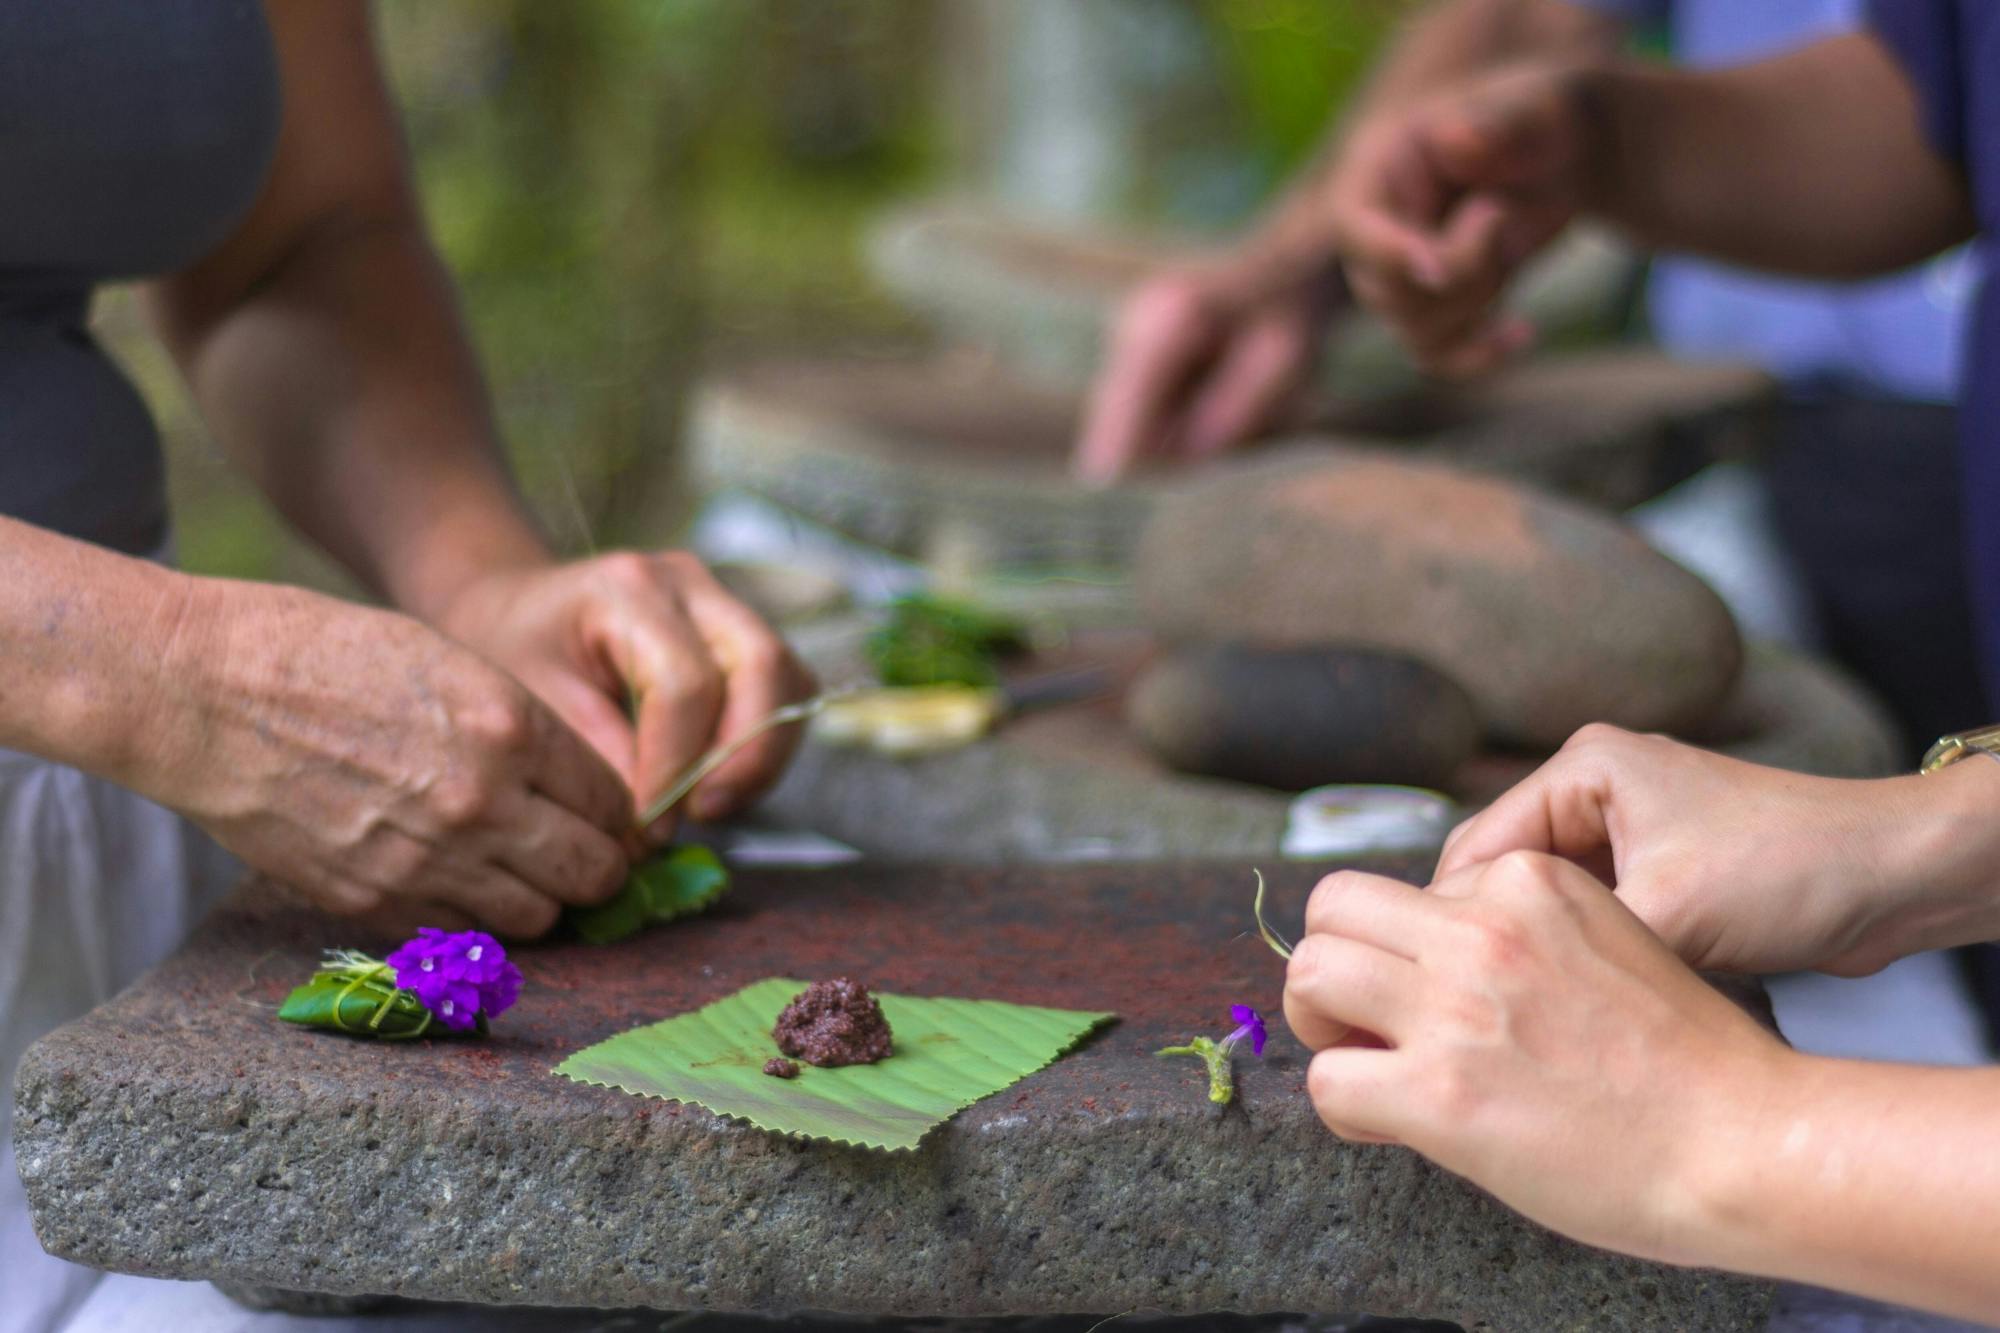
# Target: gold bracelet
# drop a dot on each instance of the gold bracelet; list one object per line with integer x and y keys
{"x": 1950, "y": 749}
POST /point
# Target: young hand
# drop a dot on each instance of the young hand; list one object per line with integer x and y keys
{"x": 1533, "y": 1036}
{"x": 1739, "y": 867}
{"x": 697, "y": 666}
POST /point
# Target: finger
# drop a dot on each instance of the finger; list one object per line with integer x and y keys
{"x": 1507, "y": 137}
{"x": 676, "y": 685}
{"x": 1256, "y": 374}
{"x": 1494, "y": 344}
{"x": 501, "y": 902}
{"x": 559, "y": 855}
{"x": 567, "y": 770}
{"x": 1375, "y": 240}
{"x": 1470, "y": 243}
{"x": 1163, "y": 337}
{"x": 1335, "y": 986}
{"x": 1431, "y": 324}
{"x": 1373, "y": 909}
{"x": 1354, "y": 1092}
{"x": 760, "y": 676}
{"x": 592, "y": 711}
{"x": 1562, "y": 808}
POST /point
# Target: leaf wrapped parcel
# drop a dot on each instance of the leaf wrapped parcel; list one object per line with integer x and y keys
{"x": 948, "y": 1054}
{"x": 355, "y": 994}
{"x": 677, "y": 883}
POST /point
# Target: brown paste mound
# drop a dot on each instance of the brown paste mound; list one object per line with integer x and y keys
{"x": 833, "y": 1023}
{"x": 778, "y": 1067}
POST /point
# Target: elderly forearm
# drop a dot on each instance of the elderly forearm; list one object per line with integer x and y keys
{"x": 1812, "y": 163}
{"x": 345, "y": 385}
{"x": 87, "y": 632}
{"x": 1877, "y": 1179}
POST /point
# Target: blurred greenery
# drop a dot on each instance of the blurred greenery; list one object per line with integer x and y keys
{"x": 631, "y": 191}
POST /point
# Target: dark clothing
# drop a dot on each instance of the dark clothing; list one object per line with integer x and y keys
{"x": 1951, "y": 50}
{"x": 1865, "y": 496}
{"x": 134, "y": 135}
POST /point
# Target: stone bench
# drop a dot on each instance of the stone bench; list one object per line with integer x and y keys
{"x": 181, "y": 1131}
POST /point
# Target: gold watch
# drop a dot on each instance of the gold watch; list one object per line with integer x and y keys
{"x": 1950, "y": 749}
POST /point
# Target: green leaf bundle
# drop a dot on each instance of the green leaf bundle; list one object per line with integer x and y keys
{"x": 932, "y": 640}
{"x": 679, "y": 882}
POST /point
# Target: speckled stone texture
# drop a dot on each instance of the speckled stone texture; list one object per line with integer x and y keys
{"x": 182, "y": 1131}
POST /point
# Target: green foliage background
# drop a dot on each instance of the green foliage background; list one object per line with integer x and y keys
{"x": 630, "y": 190}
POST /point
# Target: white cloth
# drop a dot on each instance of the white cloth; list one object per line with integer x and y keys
{"x": 96, "y": 886}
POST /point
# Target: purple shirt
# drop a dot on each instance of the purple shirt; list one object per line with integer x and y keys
{"x": 1951, "y": 51}
{"x": 1897, "y": 336}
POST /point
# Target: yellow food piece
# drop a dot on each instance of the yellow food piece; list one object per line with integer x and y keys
{"x": 910, "y": 720}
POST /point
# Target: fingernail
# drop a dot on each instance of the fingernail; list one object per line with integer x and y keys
{"x": 661, "y": 831}
{"x": 711, "y": 806}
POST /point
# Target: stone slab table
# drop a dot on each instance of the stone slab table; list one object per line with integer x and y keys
{"x": 181, "y": 1131}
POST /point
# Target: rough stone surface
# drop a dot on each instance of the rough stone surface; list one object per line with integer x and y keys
{"x": 1294, "y": 718}
{"x": 920, "y": 456}
{"x": 1549, "y": 614}
{"x": 1074, "y": 783}
{"x": 1040, "y": 298}
{"x": 181, "y": 1131}
{"x": 997, "y": 802}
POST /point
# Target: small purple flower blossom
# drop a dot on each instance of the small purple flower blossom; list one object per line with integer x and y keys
{"x": 1250, "y": 1024}
{"x": 457, "y": 976}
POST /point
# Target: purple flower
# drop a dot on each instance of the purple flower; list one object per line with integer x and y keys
{"x": 1250, "y": 1024}
{"x": 457, "y": 976}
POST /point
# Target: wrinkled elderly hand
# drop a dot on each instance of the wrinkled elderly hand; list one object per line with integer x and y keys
{"x": 374, "y": 764}
{"x": 1744, "y": 868}
{"x": 1535, "y": 1038}
{"x": 697, "y": 667}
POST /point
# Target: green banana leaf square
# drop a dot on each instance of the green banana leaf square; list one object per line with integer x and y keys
{"x": 949, "y": 1053}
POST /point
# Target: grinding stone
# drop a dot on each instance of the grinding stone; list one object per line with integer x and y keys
{"x": 1549, "y": 614}
{"x": 181, "y": 1131}
{"x": 1294, "y": 718}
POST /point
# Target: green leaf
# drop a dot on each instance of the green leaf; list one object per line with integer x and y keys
{"x": 949, "y": 1053}
{"x": 932, "y": 640}
{"x": 339, "y": 1001}
{"x": 676, "y": 883}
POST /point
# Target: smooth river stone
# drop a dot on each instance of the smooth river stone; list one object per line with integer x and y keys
{"x": 181, "y": 1131}
{"x": 1294, "y": 718}
{"x": 1550, "y": 615}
